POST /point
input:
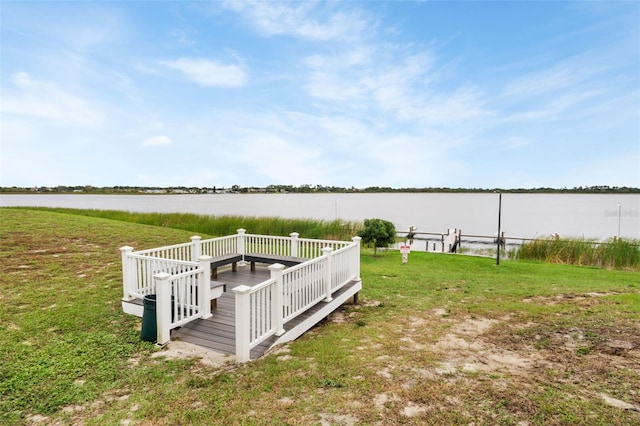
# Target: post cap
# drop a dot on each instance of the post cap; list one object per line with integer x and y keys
{"x": 277, "y": 267}
{"x": 241, "y": 289}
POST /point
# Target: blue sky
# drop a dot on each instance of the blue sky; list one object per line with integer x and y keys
{"x": 401, "y": 94}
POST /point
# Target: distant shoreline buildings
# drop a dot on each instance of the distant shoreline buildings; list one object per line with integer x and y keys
{"x": 302, "y": 189}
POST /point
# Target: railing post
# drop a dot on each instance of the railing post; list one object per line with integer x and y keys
{"x": 243, "y": 323}
{"x": 294, "y": 244}
{"x": 163, "y": 307}
{"x": 241, "y": 234}
{"x": 328, "y": 255}
{"x": 196, "y": 248}
{"x": 204, "y": 282}
{"x": 127, "y": 271}
{"x": 277, "y": 311}
{"x": 357, "y": 240}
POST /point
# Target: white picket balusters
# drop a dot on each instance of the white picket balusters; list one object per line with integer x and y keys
{"x": 263, "y": 310}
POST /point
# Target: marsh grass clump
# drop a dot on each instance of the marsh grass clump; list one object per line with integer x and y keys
{"x": 616, "y": 253}
{"x": 228, "y": 224}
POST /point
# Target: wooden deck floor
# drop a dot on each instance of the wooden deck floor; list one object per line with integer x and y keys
{"x": 218, "y": 333}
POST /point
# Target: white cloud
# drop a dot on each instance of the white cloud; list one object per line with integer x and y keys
{"x": 392, "y": 79}
{"x": 157, "y": 141}
{"x": 449, "y": 108}
{"x": 376, "y": 73}
{"x": 282, "y": 161}
{"x": 310, "y": 20}
{"x": 22, "y": 80}
{"x": 209, "y": 73}
{"x": 47, "y": 101}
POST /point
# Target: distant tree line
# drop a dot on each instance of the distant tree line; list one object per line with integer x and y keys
{"x": 305, "y": 189}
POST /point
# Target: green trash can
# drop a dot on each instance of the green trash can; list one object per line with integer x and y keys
{"x": 149, "y": 331}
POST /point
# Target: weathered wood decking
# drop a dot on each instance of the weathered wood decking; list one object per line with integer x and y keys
{"x": 218, "y": 333}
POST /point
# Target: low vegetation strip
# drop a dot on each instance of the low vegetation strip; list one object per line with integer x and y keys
{"x": 616, "y": 253}
{"x": 443, "y": 339}
{"x": 226, "y": 225}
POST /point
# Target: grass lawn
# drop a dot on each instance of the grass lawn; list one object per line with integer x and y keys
{"x": 444, "y": 339}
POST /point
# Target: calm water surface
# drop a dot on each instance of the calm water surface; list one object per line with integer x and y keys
{"x": 523, "y": 215}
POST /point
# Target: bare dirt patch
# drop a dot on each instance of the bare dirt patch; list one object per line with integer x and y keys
{"x": 599, "y": 360}
{"x": 467, "y": 351}
{"x": 177, "y": 349}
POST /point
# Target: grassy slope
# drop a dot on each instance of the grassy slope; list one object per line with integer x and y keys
{"x": 68, "y": 353}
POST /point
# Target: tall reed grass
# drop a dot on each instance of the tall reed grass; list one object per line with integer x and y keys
{"x": 227, "y": 225}
{"x": 616, "y": 253}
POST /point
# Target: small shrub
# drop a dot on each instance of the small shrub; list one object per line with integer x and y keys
{"x": 381, "y": 233}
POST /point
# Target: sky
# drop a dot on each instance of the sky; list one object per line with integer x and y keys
{"x": 476, "y": 94}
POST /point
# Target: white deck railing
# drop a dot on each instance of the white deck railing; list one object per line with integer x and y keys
{"x": 262, "y": 310}
{"x": 139, "y": 271}
{"x": 310, "y": 249}
{"x": 181, "y": 298}
{"x": 181, "y": 271}
{"x": 176, "y": 252}
{"x": 302, "y": 287}
{"x": 222, "y": 246}
{"x": 345, "y": 265}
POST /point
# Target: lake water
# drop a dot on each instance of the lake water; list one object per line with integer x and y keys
{"x": 523, "y": 215}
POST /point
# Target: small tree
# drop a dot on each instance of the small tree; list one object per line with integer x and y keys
{"x": 380, "y": 232}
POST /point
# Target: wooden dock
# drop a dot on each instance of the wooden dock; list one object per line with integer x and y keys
{"x": 218, "y": 333}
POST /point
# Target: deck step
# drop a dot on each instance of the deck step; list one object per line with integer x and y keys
{"x": 133, "y": 307}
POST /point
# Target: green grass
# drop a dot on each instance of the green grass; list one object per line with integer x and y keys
{"x": 617, "y": 253}
{"x": 227, "y": 225}
{"x": 69, "y": 354}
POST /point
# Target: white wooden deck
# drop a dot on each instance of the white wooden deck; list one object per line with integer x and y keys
{"x": 276, "y": 305}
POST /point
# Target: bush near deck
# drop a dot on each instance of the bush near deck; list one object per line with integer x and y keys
{"x": 443, "y": 339}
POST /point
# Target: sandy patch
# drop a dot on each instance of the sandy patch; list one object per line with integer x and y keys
{"x": 338, "y": 419}
{"x": 380, "y": 400}
{"x": 467, "y": 352}
{"x": 618, "y": 403}
{"x": 412, "y": 410}
{"x": 177, "y": 349}
{"x": 440, "y": 312}
{"x": 560, "y": 298}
